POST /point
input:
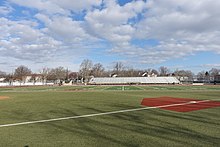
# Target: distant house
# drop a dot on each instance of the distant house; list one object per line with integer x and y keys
{"x": 32, "y": 78}
{"x": 217, "y": 78}
{"x": 146, "y": 74}
{"x": 113, "y": 75}
{"x": 2, "y": 82}
{"x": 73, "y": 75}
{"x": 2, "y": 79}
{"x": 182, "y": 78}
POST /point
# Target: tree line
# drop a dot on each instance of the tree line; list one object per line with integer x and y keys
{"x": 89, "y": 69}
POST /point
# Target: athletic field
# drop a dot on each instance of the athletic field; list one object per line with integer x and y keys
{"x": 103, "y": 116}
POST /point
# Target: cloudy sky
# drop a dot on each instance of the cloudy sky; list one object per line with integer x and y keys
{"x": 179, "y": 34}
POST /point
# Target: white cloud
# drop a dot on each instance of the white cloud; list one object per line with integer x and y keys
{"x": 22, "y": 41}
{"x": 171, "y": 17}
{"x": 77, "y": 5}
{"x": 59, "y": 43}
{"x": 111, "y": 23}
{"x": 46, "y": 6}
{"x": 66, "y": 29}
{"x": 58, "y": 7}
{"x": 180, "y": 27}
{"x": 5, "y": 10}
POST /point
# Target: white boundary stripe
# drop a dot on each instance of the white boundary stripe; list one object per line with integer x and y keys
{"x": 98, "y": 114}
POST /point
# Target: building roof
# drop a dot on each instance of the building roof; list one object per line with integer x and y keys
{"x": 2, "y": 79}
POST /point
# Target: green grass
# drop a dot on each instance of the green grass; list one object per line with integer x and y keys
{"x": 121, "y": 88}
{"x": 152, "y": 127}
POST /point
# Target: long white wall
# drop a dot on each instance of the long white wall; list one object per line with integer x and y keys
{"x": 24, "y": 84}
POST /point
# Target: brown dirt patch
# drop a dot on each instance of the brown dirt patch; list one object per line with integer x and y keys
{"x": 194, "y": 104}
{"x": 4, "y": 97}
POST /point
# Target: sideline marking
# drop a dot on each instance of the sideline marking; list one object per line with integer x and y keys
{"x": 97, "y": 114}
{"x": 140, "y": 88}
{"x": 123, "y": 88}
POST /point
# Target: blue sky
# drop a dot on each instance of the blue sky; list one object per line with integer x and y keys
{"x": 142, "y": 34}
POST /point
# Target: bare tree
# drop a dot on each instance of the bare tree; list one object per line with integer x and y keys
{"x": 2, "y": 74}
{"x": 9, "y": 78}
{"x": 154, "y": 72}
{"x": 85, "y": 69}
{"x": 129, "y": 72}
{"x": 98, "y": 70}
{"x": 118, "y": 68}
{"x": 189, "y": 74}
{"x": 107, "y": 73}
{"x": 51, "y": 75}
{"x": 184, "y": 75}
{"x": 21, "y": 71}
{"x": 201, "y": 75}
{"x": 164, "y": 71}
{"x": 60, "y": 73}
{"x": 214, "y": 71}
{"x": 207, "y": 76}
{"x": 74, "y": 76}
{"x": 45, "y": 73}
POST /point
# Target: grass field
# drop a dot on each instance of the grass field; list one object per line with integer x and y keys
{"x": 152, "y": 127}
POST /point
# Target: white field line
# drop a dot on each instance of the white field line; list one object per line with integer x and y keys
{"x": 106, "y": 88}
{"x": 98, "y": 114}
{"x": 140, "y": 87}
